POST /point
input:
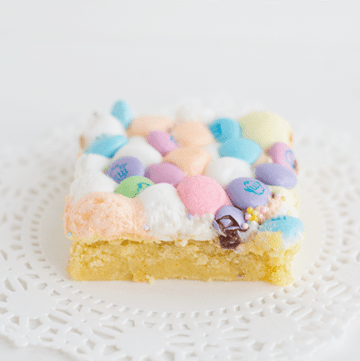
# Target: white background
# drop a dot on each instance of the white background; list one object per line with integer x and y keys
{"x": 61, "y": 60}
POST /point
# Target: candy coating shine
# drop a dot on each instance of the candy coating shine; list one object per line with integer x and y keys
{"x": 248, "y": 192}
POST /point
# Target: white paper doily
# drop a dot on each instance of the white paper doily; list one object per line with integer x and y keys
{"x": 177, "y": 320}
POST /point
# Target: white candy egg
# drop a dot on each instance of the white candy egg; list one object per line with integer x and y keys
{"x": 226, "y": 169}
{"x": 139, "y": 148}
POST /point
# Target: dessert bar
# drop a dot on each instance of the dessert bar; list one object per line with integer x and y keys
{"x": 161, "y": 198}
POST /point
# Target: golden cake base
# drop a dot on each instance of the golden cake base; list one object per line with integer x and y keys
{"x": 261, "y": 259}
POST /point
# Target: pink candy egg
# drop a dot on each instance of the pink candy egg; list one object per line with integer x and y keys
{"x": 162, "y": 142}
{"x": 201, "y": 194}
{"x": 164, "y": 173}
{"x": 282, "y": 154}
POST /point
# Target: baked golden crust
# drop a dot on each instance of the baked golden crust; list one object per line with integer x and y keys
{"x": 261, "y": 259}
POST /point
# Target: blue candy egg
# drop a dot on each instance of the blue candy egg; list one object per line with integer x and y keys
{"x": 122, "y": 111}
{"x": 224, "y": 129}
{"x": 106, "y": 145}
{"x": 291, "y": 228}
{"x": 241, "y": 148}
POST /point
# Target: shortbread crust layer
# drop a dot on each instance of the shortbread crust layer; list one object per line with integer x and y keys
{"x": 261, "y": 259}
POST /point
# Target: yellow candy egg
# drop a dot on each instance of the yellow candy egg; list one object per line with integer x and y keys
{"x": 265, "y": 129}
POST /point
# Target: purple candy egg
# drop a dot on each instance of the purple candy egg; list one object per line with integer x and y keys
{"x": 233, "y": 212}
{"x": 125, "y": 167}
{"x": 216, "y": 226}
{"x": 162, "y": 142}
{"x": 164, "y": 173}
{"x": 226, "y": 222}
{"x": 248, "y": 192}
{"x": 276, "y": 175}
{"x": 282, "y": 154}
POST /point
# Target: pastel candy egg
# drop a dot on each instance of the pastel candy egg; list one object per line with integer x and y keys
{"x": 191, "y": 160}
{"x": 139, "y": 148}
{"x": 265, "y": 129}
{"x": 201, "y": 195}
{"x": 164, "y": 173}
{"x": 282, "y": 154}
{"x": 240, "y": 148}
{"x": 142, "y": 126}
{"x": 98, "y": 125}
{"x": 276, "y": 175}
{"x": 224, "y": 129}
{"x": 162, "y": 142}
{"x": 229, "y": 217}
{"x": 226, "y": 169}
{"x": 248, "y": 192}
{"x": 132, "y": 186}
{"x": 125, "y": 167}
{"x": 290, "y": 227}
{"x": 122, "y": 111}
{"x": 106, "y": 145}
{"x": 192, "y": 134}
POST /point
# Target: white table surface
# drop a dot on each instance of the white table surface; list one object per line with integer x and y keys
{"x": 61, "y": 60}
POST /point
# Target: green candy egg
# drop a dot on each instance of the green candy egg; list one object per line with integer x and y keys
{"x": 132, "y": 186}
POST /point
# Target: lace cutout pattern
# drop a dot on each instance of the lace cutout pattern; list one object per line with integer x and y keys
{"x": 177, "y": 320}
